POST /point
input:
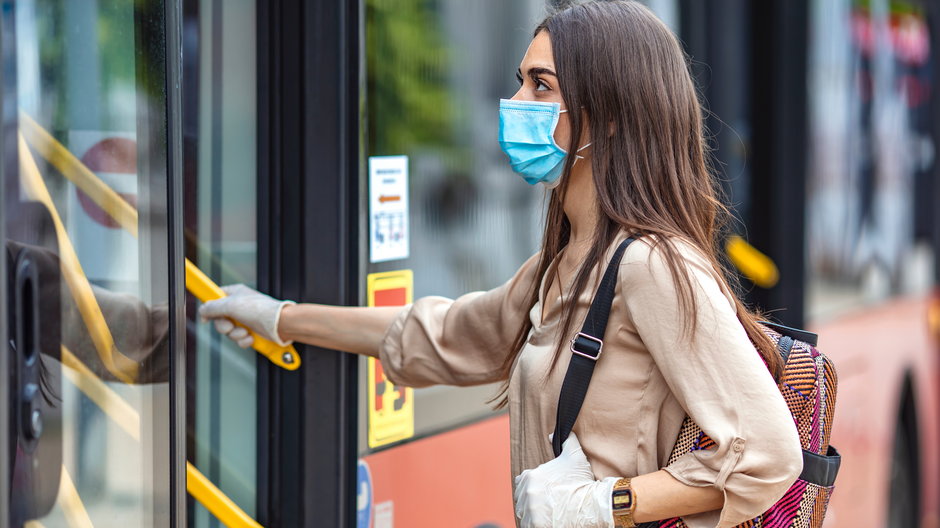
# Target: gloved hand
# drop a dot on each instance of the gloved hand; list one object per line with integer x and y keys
{"x": 563, "y": 493}
{"x": 249, "y": 308}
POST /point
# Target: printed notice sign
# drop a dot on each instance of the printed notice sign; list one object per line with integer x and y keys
{"x": 388, "y": 208}
{"x": 391, "y": 407}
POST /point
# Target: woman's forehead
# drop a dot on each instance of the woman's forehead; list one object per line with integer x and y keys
{"x": 539, "y": 54}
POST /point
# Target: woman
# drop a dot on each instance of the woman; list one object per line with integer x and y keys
{"x": 609, "y": 82}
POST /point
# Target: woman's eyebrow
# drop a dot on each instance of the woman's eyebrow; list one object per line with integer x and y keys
{"x": 536, "y": 71}
{"x": 541, "y": 71}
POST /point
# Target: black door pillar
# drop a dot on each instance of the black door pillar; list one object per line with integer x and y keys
{"x": 309, "y": 188}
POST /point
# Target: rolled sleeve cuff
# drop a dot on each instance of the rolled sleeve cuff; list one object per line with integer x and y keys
{"x": 391, "y": 352}
{"x": 745, "y": 496}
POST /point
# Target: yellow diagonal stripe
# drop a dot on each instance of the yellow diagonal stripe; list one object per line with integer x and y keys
{"x": 74, "y": 511}
{"x": 73, "y": 169}
{"x": 121, "y": 412}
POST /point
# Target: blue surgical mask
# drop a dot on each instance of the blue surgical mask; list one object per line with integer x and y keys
{"x": 526, "y": 135}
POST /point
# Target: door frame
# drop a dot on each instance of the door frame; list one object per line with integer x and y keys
{"x": 173, "y": 19}
{"x": 7, "y": 155}
{"x": 310, "y": 187}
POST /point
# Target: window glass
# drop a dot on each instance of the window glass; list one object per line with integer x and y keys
{"x": 87, "y": 224}
{"x": 221, "y": 237}
{"x": 435, "y": 73}
{"x": 868, "y": 213}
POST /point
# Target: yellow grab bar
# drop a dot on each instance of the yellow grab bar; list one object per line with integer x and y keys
{"x": 226, "y": 511}
{"x": 751, "y": 262}
{"x": 122, "y": 367}
{"x": 205, "y": 290}
{"x": 200, "y": 285}
{"x": 128, "y": 419}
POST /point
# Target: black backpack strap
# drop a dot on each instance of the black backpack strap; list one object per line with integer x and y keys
{"x": 800, "y": 335}
{"x": 585, "y": 350}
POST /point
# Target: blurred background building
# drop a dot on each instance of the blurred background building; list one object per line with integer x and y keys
{"x": 247, "y": 135}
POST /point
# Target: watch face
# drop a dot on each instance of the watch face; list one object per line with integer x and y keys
{"x": 623, "y": 499}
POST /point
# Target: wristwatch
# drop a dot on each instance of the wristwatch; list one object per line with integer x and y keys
{"x": 623, "y": 504}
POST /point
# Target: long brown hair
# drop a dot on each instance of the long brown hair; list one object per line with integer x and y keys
{"x": 620, "y": 64}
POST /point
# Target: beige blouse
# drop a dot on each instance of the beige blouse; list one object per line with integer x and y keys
{"x": 649, "y": 376}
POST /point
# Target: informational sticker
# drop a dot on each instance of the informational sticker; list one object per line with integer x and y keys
{"x": 363, "y": 496}
{"x": 391, "y": 408}
{"x": 388, "y": 208}
{"x": 385, "y": 515}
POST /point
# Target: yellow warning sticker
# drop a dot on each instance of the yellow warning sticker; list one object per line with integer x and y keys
{"x": 391, "y": 407}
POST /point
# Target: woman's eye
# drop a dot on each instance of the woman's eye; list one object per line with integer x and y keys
{"x": 541, "y": 86}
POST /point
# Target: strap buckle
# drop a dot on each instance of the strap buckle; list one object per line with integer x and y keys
{"x": 588, "y": 346}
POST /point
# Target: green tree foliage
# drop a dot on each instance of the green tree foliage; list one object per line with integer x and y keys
{"x": 407, "y": 61}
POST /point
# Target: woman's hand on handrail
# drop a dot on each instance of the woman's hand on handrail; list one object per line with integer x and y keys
{"x": 350, "y": 329}
{"x": 247, "y": 307}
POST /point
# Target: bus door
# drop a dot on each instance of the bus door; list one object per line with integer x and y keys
{"x": 93, "y": 264}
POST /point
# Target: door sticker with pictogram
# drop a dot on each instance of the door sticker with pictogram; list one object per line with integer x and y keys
{"x": 391, "y": 407}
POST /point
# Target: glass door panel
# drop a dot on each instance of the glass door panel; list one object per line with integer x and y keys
{"x": 221, "y": 239}
{"x": 471, "y": 223}
{"x": 88, "y": 259}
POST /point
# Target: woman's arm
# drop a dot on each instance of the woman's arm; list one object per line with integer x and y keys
{"x": 661, "y": 496}
{"x": 356, "y": 330}
{"x": 434, "y": 341}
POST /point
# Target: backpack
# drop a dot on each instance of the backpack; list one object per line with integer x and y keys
{"x": 807, "y": 383}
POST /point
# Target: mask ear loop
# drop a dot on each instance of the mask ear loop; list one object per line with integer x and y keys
{"x": 576, "y": 156}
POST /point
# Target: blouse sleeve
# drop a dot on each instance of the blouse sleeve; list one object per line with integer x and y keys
{"x": 438, "y": 341}
{"x": 720, "y": 380}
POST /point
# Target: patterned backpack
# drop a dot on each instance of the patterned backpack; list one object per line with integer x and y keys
{"x": 808, "y": 385}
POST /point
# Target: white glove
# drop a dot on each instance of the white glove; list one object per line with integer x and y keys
{"x": 248, "y": 307}
{"x": 563, "y": 493}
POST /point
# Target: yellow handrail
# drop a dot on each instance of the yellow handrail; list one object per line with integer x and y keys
{"x": 122, "y": 367}
{"x": 201, "y": 286}
{"x": 226, "y": 511}
{"x": 128, "y": 419}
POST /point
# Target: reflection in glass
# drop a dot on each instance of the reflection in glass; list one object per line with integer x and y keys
{"x": 90, "y": 82}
